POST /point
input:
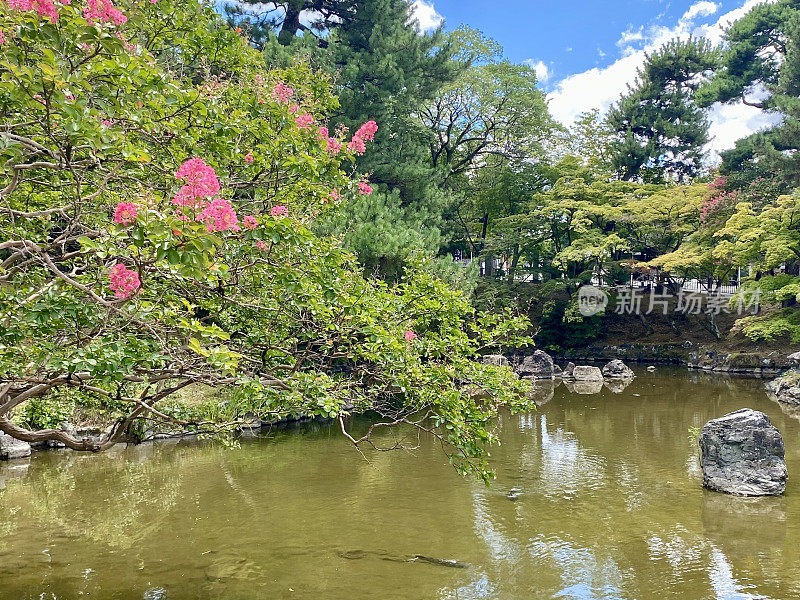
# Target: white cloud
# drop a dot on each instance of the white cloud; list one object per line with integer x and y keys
{"x": 630, "y": 36}
{"x": 600, "y": 87}
{"x": 730, "y": 122}
{"x": 700, "y": 9}
{"x": 426, "y": 15}
{"x": 541, "y": 69}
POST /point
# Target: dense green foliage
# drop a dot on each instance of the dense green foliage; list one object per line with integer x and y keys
{"x": 167, "y": 165}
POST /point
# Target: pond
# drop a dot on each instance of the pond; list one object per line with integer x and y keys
{"x": 597, "y": 496}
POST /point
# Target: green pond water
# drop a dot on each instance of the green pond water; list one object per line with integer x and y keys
{"x": 597, "y": 496}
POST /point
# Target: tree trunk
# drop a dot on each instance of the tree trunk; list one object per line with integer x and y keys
{"x": 291, "y": 22}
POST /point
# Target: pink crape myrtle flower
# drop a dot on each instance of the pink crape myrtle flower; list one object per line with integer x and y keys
{"x": 335, "y": 195}
{"x": 261, "y": 245}
{"x": 333, "y": 146}
{"x": 322, "y": 133}
{"x": 250, "y": 222}
{"x": 357, "y": 146}
{"x": 200, "y": 182}
{"x": 44, "y": 8}
{"x": 304, "y": 120}
{"x": 104, "y": 12}
{"x": 124, "y": 282}
{"x": 294, "y": 108}
{"x": 367, "y": 131}
{"x": 249, "y": 157}
{"x": 410, "y": 336}
{"x": 125, "y": 214}
{"x": 219, "y": 215}
{"x": 2, "y": 38}
{"x": 279, "y": 211}
{"x": 364, "y": 188}
{"x": 282, "y": 93}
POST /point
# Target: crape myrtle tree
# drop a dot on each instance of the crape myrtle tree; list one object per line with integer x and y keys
{"x": 159, "y": 188}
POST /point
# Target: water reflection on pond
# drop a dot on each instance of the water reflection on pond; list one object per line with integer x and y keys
{"x": 597, "y": 496}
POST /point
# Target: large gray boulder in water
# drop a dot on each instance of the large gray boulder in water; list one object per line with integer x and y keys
{"x": 539, "y": 365}
{"x": 742, "y": 453}
{"x": 587, "y": 373}
{"x": 11, "y": 447}
{"x": 616, "y": 369}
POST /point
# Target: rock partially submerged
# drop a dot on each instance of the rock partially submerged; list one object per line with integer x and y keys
{"x": 539, "y": 365}
{"x": 786, "y": 388}
{"x": 11, "y": 448}
{"x": 616, "y": 369}
{"x": 587, "y": 373}
{"x": 742, "y": 453}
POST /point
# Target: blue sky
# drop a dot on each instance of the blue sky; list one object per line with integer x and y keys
{"x": 586, "y": 52}
{"x": 569, "y": 36}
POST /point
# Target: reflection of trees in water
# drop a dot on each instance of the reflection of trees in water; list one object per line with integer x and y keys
{"x": 597, "y": 496}
{"x": 115, "y": 500}
{"x": 610, "y": 490}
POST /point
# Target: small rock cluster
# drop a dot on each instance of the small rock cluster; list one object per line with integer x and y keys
{"x": 540, "y": 365}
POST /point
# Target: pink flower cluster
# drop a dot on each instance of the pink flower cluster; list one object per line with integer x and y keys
{"x": 410, "y": 336}
{"x": 250, "y": 222}
{"x": 125, "y": 214}
{"x": 200, "y": 182}
{"x": 2, "y": 38}
{"x": 716, "y": 203}
{"x": 279, "y": 211}
{"x": 719, "y": 183}
{"x": 218, "y": 215}
{"x": 333, "y": 146}
{"x": 282, "y": 93}
{"x": 249, "y": 157}
{"x": 104, "y": 12}
{"x": 45, "y": 8}
{"x": 124, "y": 282}
{"x": 304, "y": 120}
{"x": 365, "y": 133}
{"x": 364, "y": 188}
{"x": 357, "y": 146}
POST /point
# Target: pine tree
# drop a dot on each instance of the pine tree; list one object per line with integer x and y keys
{"x": 660, "y": 131}
{"x": 763, "y": 53}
